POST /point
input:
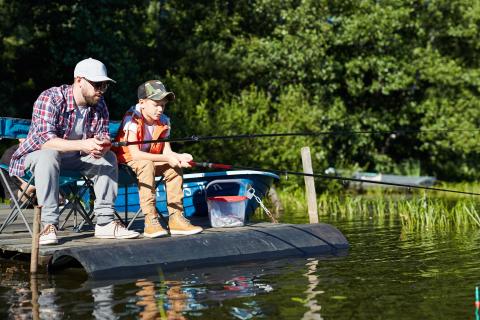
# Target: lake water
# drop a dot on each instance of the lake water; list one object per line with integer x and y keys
{"x": 387, "y": 274}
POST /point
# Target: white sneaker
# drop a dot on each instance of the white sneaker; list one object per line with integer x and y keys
{"x": 114, "y": 230}
{"x": 48, "y": 235}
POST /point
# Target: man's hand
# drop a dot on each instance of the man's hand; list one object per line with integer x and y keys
{"x": 105, "y": 143}
{"x": 95, "y": 147}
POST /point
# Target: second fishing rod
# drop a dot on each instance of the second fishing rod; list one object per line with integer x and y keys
{"x": 222, "y": 166}
{"x": 195, "y": 138}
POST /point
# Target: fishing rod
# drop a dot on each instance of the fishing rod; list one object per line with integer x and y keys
{"x": 195, "y": 138}
{"x": 322, "y": 176}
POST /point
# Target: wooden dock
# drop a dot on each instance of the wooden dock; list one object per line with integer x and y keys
{"x": 105, "y": 258}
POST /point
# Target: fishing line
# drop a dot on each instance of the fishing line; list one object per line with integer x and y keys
{"x": 195, "y": 138}
{"x": 322, "y": 176}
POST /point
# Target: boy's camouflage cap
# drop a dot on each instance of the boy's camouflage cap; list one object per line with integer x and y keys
{"x": 155, "y": 90}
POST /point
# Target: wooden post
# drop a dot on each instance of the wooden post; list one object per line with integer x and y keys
{"x": 310, "y": 185}
{"x": 35, "y": 238}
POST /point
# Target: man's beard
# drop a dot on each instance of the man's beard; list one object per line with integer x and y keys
{"x": 91, "y": 100}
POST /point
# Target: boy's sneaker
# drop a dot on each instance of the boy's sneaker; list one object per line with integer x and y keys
{"x": 48, "y": 235}
{"x": 153, "y": 228}
{"x": 114, "y": 230}
{"x": 178, "y": 224}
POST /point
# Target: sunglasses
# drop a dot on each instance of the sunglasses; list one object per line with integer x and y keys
{"x": 99, "y": 86}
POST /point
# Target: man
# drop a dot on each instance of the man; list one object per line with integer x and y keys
{"x": 69, "y": 130}
{"x": 146, "y": 121}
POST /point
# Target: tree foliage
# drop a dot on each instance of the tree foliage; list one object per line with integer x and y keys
{"x": 268, "y": 66}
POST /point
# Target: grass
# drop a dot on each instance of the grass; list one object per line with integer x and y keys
{"x": 417, "y": 211}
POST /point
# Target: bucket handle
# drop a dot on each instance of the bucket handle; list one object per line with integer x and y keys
{"x": 225, "y": 181}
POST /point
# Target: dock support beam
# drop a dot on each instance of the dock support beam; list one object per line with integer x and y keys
{"x": 35, "y": 239}
{"x": 309, "y": 185}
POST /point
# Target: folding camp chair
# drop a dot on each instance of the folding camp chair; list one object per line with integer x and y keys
{"x": 69, "y": 190}
{"x": 126, "y": 178}
{"x": 75, "y": 194}
{"x": 13, "y": 128}
{"x": 12, "y": 186}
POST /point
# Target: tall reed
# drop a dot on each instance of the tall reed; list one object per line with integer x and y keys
{"x": 416, "y": 210}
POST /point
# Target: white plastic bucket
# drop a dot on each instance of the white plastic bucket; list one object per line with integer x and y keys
{"x": 227, "y": 211}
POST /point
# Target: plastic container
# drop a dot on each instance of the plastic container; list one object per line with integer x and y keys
{"x": 226, "y": 211}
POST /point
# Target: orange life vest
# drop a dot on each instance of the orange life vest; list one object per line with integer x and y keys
{"x": 160, "y": 131}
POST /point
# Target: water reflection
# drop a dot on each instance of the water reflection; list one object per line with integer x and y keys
{"x": 311, "y": 300}
{"x": 35, "y": 304}
{"x": 169, "y": 302}
{"x": 178, "y": 295}
{"x": 103, "y": 300}
{"x": 241, "y": 292}
{"x": 147, "y": 300}
{"x": 154, "y": 299}
{"x": 177, "y": 301}
{"x": 48, "y": 304}
{"x": 28, "y": 297}
{"x": 17, "y": 298}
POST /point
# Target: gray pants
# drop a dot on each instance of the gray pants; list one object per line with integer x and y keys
{"x": 46, "y": 166}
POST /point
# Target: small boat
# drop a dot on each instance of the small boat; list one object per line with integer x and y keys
{"x": 231, "y": 183}
{"x": 423, "y": 181}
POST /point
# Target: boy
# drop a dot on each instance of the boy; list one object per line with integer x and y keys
{"x": 146, "y": 121}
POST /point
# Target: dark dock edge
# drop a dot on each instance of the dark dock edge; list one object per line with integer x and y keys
{"x": 216, "y": 247}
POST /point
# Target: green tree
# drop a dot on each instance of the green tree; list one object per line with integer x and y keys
{"x": 272, "y": 66}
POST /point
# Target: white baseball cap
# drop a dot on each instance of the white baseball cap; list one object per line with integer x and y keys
{"x": 92, "y": 70}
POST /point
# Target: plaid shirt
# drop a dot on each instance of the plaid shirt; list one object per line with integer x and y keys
{"x": 54, "y": 116}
